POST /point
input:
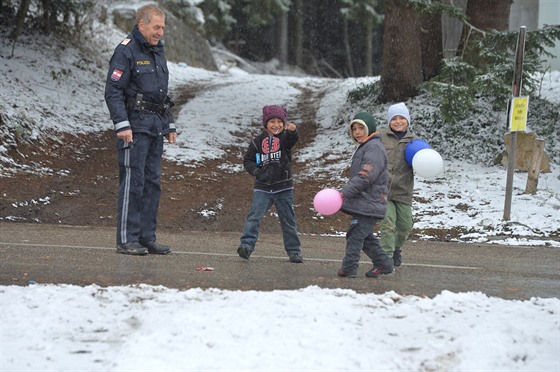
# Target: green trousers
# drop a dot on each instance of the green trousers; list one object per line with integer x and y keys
{"x": 395, "y": 227}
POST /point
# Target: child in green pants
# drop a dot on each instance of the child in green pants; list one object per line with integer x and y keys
{"x": 397, "y": 224}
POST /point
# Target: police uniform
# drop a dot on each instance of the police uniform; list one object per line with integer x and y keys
{"x": 136, "y": 95}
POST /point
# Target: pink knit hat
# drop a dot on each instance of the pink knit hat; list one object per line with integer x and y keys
{"x": 274, "y": 111}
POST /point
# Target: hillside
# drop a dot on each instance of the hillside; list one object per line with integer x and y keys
{"x": 58, "y": 163}
{"x": 57, "y": 155}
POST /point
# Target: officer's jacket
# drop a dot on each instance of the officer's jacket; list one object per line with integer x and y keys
{"x": 366, "y": 191}
{"x": 137, "y": 67}
{"x": 401, "y": 176}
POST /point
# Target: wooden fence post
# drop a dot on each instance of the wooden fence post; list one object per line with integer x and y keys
{"x": 535, "y": 167}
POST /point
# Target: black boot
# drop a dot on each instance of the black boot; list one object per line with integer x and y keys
{"x": 397, "y": 258}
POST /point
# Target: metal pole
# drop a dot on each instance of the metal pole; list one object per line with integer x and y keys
{"x": 516, "y": 90}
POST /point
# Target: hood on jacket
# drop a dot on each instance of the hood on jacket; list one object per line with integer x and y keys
{"x": 366, "y": 120}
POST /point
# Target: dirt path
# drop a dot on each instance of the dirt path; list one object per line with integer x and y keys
{"x": 81, "y": 189}
{"x": 73, "y": 179}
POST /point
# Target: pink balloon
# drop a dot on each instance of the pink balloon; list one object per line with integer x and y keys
{"x": 327, "y": 202}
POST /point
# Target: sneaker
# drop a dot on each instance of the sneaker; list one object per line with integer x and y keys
{"x": 344, "y": 274}
{"x": 296, "y": 258}
{"x": 133, "y": 248}
{"x": 376, "y": 271}
{"x": 243, "y": 252}
{"x": 397, "y": 258}
{"x": 156, "y": 248}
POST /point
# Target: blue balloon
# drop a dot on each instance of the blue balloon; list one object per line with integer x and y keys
{"x": 413, "y": 147}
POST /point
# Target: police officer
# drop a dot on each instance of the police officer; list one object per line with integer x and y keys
{"x": 136, "y": 95}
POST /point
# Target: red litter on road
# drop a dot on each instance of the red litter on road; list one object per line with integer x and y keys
{"x": 204, "y": 268}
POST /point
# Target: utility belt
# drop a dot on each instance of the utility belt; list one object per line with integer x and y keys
{"x": 139, "y": 104}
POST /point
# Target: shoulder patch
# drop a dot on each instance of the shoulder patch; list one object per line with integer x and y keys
{"x": 116, "y": 75}
{"x": 368, "y": 167}
{"x": 125, "y": 41}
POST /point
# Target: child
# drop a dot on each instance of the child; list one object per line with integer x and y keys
{"x": 365, "y": 199}
{"x": 268, "y": 158}
{"x": 397, "y": 224}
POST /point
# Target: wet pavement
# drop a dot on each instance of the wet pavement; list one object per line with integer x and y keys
{"x": 35, "y": 253}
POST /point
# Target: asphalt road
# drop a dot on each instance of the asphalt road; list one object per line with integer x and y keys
{"x": 86, "y": 255}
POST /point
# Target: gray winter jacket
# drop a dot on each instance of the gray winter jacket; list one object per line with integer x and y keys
{"x": 366, "y": 191}
{"x": 401, "y": 176}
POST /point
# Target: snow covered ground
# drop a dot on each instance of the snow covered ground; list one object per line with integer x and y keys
{"x": 146, "y": 328}
{"x": 141, "y": 328}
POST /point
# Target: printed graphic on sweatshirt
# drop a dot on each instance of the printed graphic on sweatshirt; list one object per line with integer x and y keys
{"x": 271, "y": 149}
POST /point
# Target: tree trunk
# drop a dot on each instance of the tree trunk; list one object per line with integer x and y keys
{"x": 20, "y": 19}
{"x": 484, "y": 15}
{"x": 346, "y": 40}
{"x": 283, "y": 39}
{"x": 431, "y": 44}
{"x": 298, "y": 36}
{"x": 489, "y": 14}
{"x": 369, "y": 49}
{"x": 401, "y": 68}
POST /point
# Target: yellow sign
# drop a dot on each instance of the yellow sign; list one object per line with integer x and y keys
{"x": 518, "y": 114}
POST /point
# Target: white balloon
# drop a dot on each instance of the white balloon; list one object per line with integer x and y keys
{"x": 427, "y": 163}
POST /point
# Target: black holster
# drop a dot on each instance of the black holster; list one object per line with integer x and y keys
{"x": 139, "y": 104}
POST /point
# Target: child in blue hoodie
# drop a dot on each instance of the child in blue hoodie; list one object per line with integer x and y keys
{"x": 365, "y": 199}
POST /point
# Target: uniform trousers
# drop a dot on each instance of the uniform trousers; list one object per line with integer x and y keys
{"x": 139, "y": 188}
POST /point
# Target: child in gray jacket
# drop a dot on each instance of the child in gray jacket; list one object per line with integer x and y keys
{"x": 365, "y": 199}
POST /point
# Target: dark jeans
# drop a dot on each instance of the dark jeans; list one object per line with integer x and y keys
{"x": 262, "y": 202}
{"x": 360, "y": 238}
{"x": 139, "y": 188}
